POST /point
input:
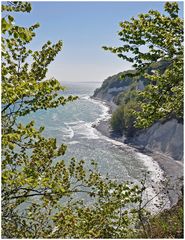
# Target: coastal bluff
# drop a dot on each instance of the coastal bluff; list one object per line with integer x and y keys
{"x": 164, "y": 137}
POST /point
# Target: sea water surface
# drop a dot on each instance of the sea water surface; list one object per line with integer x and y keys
{"x": 72, "y": 124}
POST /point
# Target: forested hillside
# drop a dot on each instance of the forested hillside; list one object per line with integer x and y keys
{"x": 154, "y": 92}
{"x": 44, "y": 194}
{"x": 165, "y": 135}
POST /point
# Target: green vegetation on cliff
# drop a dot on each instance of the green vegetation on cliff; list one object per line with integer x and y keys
{"x": 167, "y": 224}
{"x": 162, "y": 37}
{"x": 39, "y": 189}
{"x": 123, "y": 119}
{"x": 114, "y": 82}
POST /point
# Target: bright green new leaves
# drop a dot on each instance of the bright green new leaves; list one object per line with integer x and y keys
{"x": 123, "y": 119}
{"x": 108, "y": 218}
{"x": 41, "y": 192}
{"x": 64, "y": 213}
{"x": 23, "y": 88}
{"x": 27, "y": 157}
{"x": 150, "y": 38}
{"x": 164, "y": 99}
{"x": 16, "y": 7}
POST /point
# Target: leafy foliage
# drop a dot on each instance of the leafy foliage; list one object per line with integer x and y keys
{"x": 40, "y": 192}
{"x": 167, "y": 224}
{"x": 150, "y": 38}
{"x": 123, "y": 118}
{"x": 129, "y": 101}
{"x": 117, "y": 120}
{"x": 23, "y": 90}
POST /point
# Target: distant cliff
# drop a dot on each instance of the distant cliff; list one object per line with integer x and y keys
{"x": 165, "y": 137}
{"x": 114, "y": 85}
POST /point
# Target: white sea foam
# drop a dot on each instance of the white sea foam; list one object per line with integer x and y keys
{"x": 80, "y": 128}
{"x": 73, "y": 142}
{"x": 156, "y": 176}
{"x": 156, "y": 173}
{"x": 54, "y": 116}
{"x": 85, "y": 130}
{"x": 152, "y": 166}
{"x": 68, "y": 131}
{"x": 105, "y": 110}
{"x": 75, "y": 123}
{"x": 84, "y": 97}
{"x": 153, "y": 188}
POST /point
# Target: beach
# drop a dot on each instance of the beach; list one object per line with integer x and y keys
{"x": 172, "y": 169}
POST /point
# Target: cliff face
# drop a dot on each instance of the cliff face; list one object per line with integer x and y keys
{"x": 165, "y": 137}
{"x": 162, "y": 137}
{"x": 112, "y": 86}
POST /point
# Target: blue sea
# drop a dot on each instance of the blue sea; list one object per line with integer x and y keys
{"x": 72, "y": 124}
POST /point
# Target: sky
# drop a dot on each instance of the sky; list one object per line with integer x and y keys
{"x": 84, "y": 27}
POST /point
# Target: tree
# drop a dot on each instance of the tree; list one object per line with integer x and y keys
{"x": 150, "y": 38}
{"x": 38, "y": 188}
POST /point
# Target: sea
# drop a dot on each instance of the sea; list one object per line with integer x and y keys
{"x": 72, "y": 125}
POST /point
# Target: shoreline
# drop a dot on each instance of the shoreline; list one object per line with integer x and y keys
{"x": 172, "y": 169}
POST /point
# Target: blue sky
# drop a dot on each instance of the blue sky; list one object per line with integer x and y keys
{"x": 84, "y": 27}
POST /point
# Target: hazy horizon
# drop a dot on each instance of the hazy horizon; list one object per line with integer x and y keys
{"x": 84, "y": 27}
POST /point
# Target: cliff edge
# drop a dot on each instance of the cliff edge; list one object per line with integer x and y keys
{"x": 163, "y": 136}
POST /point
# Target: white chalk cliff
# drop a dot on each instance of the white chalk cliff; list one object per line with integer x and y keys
{"x": 163, "y": 137}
